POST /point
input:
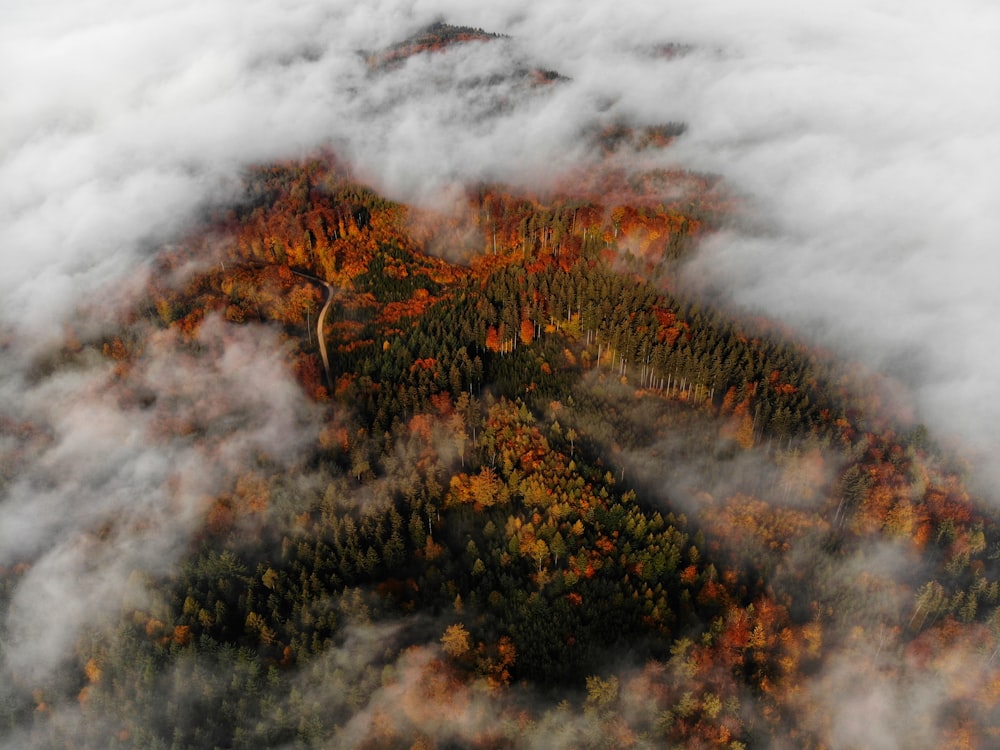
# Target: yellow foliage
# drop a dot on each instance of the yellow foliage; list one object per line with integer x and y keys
{"x": 744, "y": 433}
{"x": 456, "y": 641}
{"x": 93, "y": 671}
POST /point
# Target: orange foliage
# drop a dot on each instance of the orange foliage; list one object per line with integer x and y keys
{"x": 344, "y": 383}
{"x": 220, "y": 517}
{"x": 492, "y": 339}
{"x": 421, "y": 425}
{"x": 391, "y": 313}
{"x": 442, "y": 403}
{"x": 527, "y": 331}
{"x": 92, "y": 671}
{"x": 745, "y": 431}
{"x": 116, "y": 350}
{"x": 665, "y": 318}
{"x": 350, "y": 346}
{"x": 424, "y": 364}
{"x": 253, "y": 493}
{"x": 335, "y": 437}
{"x": 182, "y": 635}
{"x": 605, "y": 545}
{"x": 308, "y": 369}
{"x": 747, "y": 523}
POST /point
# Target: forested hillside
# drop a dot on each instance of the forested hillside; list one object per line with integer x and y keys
{"x": 538, "y": 474}
{"x": 526, "y": 490}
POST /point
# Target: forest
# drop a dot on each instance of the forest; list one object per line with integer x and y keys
{"x": 479, "y": 517}
{"x": 550, "y": 500}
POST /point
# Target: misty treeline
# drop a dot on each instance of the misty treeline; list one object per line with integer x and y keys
{"x": 434, "y": 38}
{"x": 551, "y": 503}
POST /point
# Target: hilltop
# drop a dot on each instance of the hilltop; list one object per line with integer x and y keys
{"x": 523, "y": 485}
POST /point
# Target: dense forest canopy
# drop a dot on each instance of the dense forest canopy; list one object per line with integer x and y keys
{"x": 488, "y": 476}
{"x": 535, "y": 471}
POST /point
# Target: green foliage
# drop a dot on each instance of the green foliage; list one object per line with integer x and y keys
{"x": 389, "y": 287}
{"x": 463, "y": 483}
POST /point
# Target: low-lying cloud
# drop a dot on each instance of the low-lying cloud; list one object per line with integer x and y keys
{"x": 120, "y": 485}
{"x": 865, "y": 136}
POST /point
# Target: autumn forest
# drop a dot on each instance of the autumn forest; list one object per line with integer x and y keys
{"x": 527, "y": 491}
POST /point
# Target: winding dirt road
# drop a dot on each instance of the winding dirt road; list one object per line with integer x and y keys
{"x": 320, "y": 320}
{"x": 322, "y": 314}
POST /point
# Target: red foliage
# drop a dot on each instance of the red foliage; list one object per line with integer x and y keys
{"x": 492, "y": 339}
{"x": 442, "y": 403}
{"x": 421, "y": 425}
{"x": 527, "y": 331}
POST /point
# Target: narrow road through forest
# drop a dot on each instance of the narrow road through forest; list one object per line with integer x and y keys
{"x": 320, "y": 337}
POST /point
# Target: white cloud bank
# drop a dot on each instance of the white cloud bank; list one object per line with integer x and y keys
{"x": 866, "y": 133}
{"x": 117, "y": 486}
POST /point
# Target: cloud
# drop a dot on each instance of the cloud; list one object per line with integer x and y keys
{"x": 865, "y": 139}
{"x": 865, "y": 136}
{"x": 121, "y": 484}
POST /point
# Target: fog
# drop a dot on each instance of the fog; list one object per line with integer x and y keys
{"x": 118, "y": 487}
{"x": 864, "y": 137}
